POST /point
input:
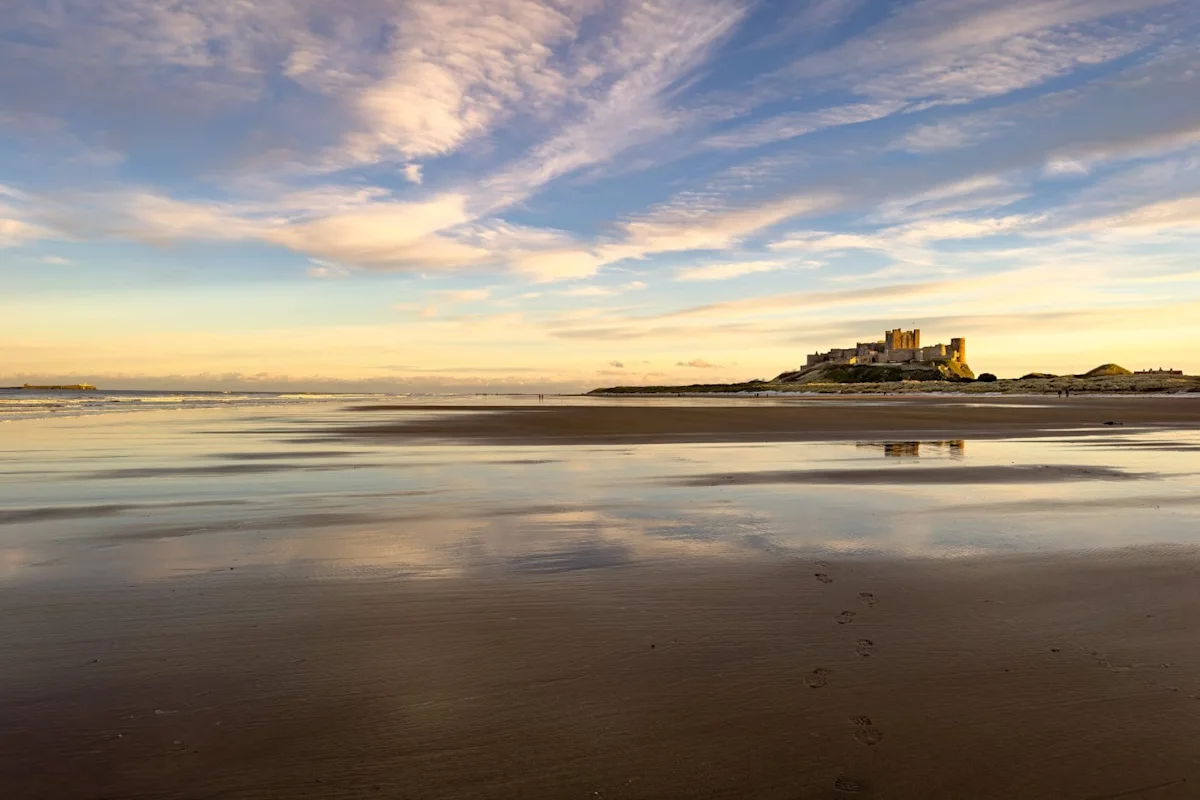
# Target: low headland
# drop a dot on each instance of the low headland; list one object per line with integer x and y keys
{"x": 61, "y": 387}
{"x": 898, "y": 364}
{"x": 883, "y": 380}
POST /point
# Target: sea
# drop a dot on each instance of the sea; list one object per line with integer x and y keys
{"x": 30, "y": 404}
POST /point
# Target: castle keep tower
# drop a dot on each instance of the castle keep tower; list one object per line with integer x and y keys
{"x": 902, "y": 340}
{"x": 958, "y": 350}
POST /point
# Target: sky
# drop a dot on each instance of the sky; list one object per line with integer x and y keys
{"x": 554, "y": 195}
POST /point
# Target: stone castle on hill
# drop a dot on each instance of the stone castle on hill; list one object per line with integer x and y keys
{"x": 897, "y": 347}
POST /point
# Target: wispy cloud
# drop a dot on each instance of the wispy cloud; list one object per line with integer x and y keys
{"x": 733, "y": 269}
{"x": 947, "y": 52}
{"x": 981, "y": 193}
{"x": 789, "y": 126}
{"x": 385, "y": 235}
{"x": 16, "y": 223}
{"x": 463, "y": 295}
{"x": 696, "y": 227}
{"x": 628, "y": 77}
{"x": 325, "y": 269}
{"x": 911, "y": 243}
{"x": 1182, "y": 214}
{"x": 809, "y": 20}
{"x": 413, "y": 173}
{"x": 748, "y": 314}
{"x": 453, "y": 70}
{"x": 434, "y": 303}
{"x": 602, "y": 291}
{"x": 954, "y": 133}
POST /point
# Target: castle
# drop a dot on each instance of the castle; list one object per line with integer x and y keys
{"x": 897, "y": 347}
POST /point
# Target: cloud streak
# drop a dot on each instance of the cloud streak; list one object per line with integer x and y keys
{"x": 733, "y": 269}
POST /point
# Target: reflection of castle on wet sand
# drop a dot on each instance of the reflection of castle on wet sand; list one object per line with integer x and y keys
{"x": 953, "y": 448}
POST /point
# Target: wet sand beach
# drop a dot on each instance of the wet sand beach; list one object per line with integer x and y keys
{"x": 420, "y": 616}
{"x": 992, "y": 678}
{"x": 817, "y": 418}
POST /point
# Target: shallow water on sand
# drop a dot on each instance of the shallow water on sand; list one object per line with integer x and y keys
{"x": 153, "y": 496}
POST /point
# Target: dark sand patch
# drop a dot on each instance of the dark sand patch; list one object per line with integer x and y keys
{"x": 214, "y": 470}
{"x": 808, "y": 420}
{"x": 718, "y": 680}
{"x": 912, "y": 476}
{"x": 283, "y": 455}
{"x": 296, "y": 522}
{"x": 1157, "y": 447}
{"x": 1045, "y": 505}
{"x": 397, "y": 493}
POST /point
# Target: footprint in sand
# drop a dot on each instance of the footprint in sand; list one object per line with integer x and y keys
{"x": 822, "y": 577}
{"x": 865, "y": 648}
{"x": 845, "y": 617}
{"x": 865, "y": 732}
{"x": 849, "y": 786}
{"x": 868, "y": 598}
{"x": 818, "y": 679}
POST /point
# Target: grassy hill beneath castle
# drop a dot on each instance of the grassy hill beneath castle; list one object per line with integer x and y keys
{"x": 879, "y": 373}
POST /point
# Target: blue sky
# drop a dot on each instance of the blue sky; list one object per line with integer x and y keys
{"x": 530, "y": 195}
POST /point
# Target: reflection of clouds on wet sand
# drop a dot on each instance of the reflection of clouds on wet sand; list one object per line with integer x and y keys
{"x": 13, "y": 562}
{"x": 510, "y": 543}
{"x": 217, "y": 494}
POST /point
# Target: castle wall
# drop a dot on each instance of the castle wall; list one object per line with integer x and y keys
{"x": 899, "y": 356}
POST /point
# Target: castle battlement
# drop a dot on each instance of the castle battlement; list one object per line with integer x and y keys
{"x": 897, "y": 347}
